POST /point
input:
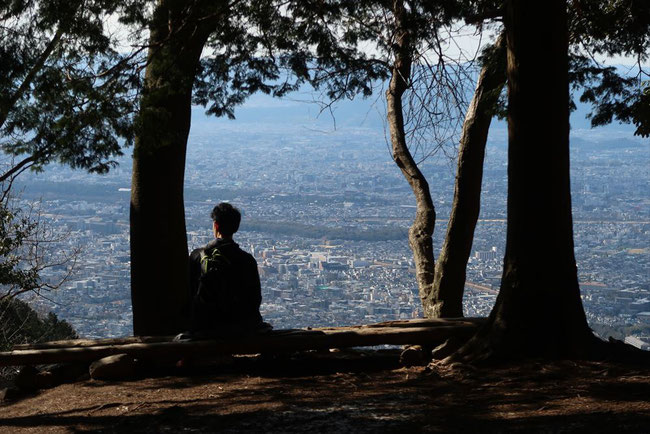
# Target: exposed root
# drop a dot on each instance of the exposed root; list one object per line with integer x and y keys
{"x": 487, "y": 349}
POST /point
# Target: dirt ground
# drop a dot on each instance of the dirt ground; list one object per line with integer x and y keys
{"x": 365, "y": 392}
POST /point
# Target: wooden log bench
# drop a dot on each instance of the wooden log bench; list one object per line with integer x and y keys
{"x": 407, "y": 332}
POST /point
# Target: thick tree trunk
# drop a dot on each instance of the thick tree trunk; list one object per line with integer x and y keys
{"x": 421, "y": 231}
{"x": 538, "y": 311}
{"x": 449, "y": 280}
{"x": 159, "y": 270}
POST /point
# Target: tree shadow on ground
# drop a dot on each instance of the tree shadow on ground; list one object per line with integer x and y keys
{"x": 532, "y": 396}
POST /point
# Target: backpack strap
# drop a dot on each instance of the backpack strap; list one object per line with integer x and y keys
{"x": 214, "y": 256}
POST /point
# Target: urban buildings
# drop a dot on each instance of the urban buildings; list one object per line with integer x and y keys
{"x": 326, "y": 215}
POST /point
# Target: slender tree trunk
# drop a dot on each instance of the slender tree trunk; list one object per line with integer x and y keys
{"x": 538, "y": 311}
{"x": 159, "y": 269}
{"x": 421, "y": 231}
{"x": 449, "y": 280}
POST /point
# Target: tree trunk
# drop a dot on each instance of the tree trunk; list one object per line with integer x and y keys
{"x": 538, "y": 311}
{"x": 159, "y": 267}
{"x": 421, "y": 231}
{"x": 449, "y": 280}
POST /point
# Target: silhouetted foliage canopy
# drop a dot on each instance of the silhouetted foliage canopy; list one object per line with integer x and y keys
{"x": 66, "y": 94}
{"x": 20, "y": 324}
{"x": 613, "y": 28}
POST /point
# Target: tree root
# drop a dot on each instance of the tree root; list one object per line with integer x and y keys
{"x": 488, "y": 348}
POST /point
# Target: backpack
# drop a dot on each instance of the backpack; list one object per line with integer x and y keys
{"x": 216, "y": 295}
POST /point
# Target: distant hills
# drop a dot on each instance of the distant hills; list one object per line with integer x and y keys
{"x": 301, "y": 110}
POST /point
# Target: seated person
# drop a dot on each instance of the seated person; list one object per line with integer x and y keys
{"x": 225, "y": 289}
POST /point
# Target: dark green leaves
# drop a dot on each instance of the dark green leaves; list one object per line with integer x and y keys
{"x": 65, "y": 94}
{"x": 612, "y": 28}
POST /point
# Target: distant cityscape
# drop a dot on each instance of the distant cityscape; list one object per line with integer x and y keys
{"x": 350, "y": 262}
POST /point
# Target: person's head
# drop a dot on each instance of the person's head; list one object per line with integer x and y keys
{"x": 226, "y": 219}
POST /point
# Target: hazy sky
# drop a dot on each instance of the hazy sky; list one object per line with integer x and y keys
{"x": 465, "y": 45}
{"x": 469, "y": 42}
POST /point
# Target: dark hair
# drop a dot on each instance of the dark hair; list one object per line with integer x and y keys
{"x": 228, "y": 217}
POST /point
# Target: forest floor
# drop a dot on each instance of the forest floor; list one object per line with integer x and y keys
{"x": 347, "y": 392}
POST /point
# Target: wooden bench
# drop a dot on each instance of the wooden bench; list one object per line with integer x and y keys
{"x": 407, "y": 332}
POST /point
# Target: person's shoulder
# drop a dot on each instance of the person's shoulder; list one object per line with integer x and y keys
{"x": 196, "y": 254}
{"x": 245, "y": 255}
{"x": 248, "y": 261}
{"x": 249, "y": 257}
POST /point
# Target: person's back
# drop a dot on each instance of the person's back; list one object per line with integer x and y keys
{"x": 225, "y": 289}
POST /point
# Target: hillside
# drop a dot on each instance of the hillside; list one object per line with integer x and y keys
{"x": 335, "y": 392}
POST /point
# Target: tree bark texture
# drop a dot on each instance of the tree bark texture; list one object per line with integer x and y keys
{"x": 159, "y": 268}
{"x": 421, "y": 230}
{"x": 538, "y": 311}
{"x": 449, "y": 279}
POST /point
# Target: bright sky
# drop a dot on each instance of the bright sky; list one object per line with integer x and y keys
{"x": 465, "y": 45}
{"x": 469, "y": 43}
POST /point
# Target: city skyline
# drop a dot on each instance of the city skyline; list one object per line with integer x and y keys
{"x": 333, "y": 182}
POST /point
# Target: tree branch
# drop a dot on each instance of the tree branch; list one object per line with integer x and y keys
{"x": 29, "y": 78}
{"x": 18, "y": 168}
{"x": 492, "y": 14}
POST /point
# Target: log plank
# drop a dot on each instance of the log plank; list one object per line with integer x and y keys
{"x": 418, "y": 322}
{"x": 274, "y": 341}
{"x": 68, "y": 343}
